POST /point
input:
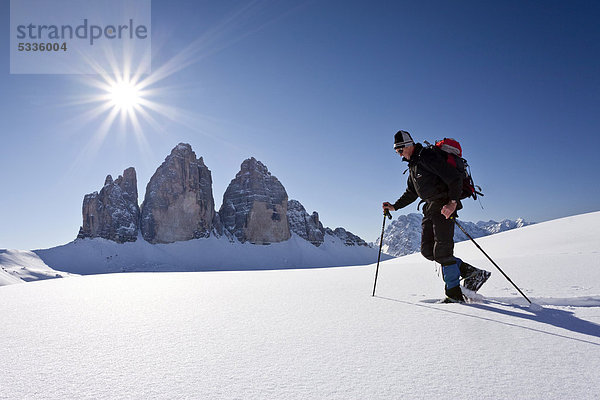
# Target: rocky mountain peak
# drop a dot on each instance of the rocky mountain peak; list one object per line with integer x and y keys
{"x": 307, "y": 226}
{"x": 252, "y": 165}
{"x": 183, "y": 150}
{"x": 113, "y": 213}
{"x": 128, "y": 183}
{"x": 255, "y": 205}
{"x": 179, "y": 203}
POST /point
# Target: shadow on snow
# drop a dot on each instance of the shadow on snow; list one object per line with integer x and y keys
{"x": 558, "y": 318}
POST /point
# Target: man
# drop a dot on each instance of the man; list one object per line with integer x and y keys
{"x": 439, "y": 185}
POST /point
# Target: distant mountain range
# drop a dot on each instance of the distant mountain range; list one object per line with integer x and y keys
{"x": 403, "y": 235}
{"x": 179, "y": 206}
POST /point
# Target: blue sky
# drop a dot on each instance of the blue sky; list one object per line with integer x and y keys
{"x": 316, "y": 91}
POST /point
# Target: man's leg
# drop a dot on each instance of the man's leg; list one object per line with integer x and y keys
{"x": 443, "y": 233}
{"x": 443, "y": 230}
{"x": 427, "y": 238}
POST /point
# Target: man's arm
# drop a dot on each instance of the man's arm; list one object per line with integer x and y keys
{"x": 449, "y": 208}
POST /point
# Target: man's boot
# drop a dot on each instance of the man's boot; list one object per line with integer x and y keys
{"x": 451, "y": 275}
{"x": 454, "y": 295}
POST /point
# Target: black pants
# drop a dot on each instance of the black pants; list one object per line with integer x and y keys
{"x": 437, "y": 237}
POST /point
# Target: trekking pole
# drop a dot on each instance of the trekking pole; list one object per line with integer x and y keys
{"x": 386, "y": 213}
{"x": 489, "y": 258}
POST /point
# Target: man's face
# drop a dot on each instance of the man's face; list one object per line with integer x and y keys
{"x": 405, "y": 151}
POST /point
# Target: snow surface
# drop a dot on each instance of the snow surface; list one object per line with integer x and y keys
{"x": 317, "y": 333}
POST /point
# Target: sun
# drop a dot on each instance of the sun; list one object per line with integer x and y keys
{"x": 124, "y": 95}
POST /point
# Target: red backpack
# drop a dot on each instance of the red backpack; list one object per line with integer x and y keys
{"x": 450, "y": 148}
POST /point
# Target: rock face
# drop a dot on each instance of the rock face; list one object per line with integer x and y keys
{"x": 403, "y": 235}
{"x": 255, "y": 206}
{"x": 113, "y": 213}
{"x": 179, "y": 202}
{"x": 308, "y": 227}
{"x": 347, "y": 237}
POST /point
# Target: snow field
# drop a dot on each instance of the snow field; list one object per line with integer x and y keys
{"x": 315, "y": 333}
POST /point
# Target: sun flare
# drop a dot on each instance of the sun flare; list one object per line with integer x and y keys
{"x": 124, "y": 95}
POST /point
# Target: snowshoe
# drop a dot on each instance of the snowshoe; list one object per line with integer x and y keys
{"x": 476, "y": 279}
{"x": 451, "y": 300}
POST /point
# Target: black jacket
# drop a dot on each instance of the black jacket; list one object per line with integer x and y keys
{"x": 431, "y": 178}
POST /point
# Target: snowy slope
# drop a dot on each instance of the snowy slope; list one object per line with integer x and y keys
{"x": 93, "y": 256}
{"x": 97, "y": 256}
{"x": 317, "y": 333}
{"x": 17, "y": 266}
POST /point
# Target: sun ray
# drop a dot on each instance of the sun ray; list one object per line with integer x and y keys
{"x": 126, "y": 97}
{"x": 138, "y": 132}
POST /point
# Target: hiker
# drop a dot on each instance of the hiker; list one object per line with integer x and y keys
{"x": 439, "y": 185}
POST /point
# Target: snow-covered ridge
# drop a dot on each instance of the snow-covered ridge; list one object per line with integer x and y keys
{"x": 98, "y": 256}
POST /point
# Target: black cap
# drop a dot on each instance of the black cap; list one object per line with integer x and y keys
{"x": 402, "y": 139}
